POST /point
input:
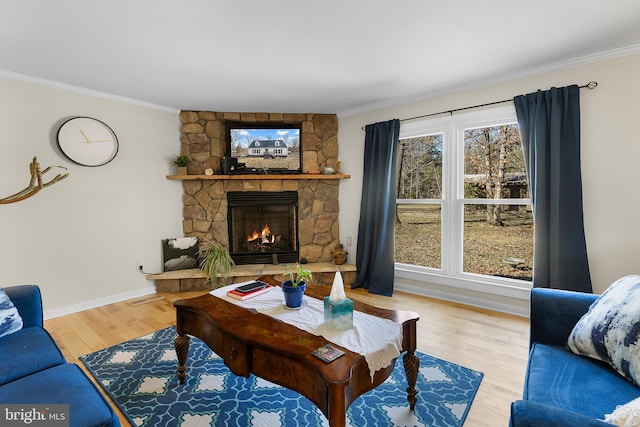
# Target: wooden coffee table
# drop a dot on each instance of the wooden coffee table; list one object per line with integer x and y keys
{"x": 251, "y": 342}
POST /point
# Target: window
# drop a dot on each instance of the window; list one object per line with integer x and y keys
{"x": 463, "y": 209}
{"x": 418, "y": 211}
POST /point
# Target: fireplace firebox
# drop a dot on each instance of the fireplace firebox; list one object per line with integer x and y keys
{"x": 263, "y": 227}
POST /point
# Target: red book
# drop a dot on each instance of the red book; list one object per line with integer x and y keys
{"x": 243, "y": 296}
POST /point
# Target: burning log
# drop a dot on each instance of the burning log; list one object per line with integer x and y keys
{"x": 264, "y": 240}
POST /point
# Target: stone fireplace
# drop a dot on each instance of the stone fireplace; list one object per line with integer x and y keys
{"x": 206, "y": 207}
{"x": 263, "y": 227}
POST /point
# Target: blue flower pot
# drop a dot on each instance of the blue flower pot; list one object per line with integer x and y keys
{"x": 293, "y": 295}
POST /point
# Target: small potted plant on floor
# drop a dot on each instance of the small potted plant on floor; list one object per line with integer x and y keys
{"x": 293, "y": 289}
{"x": 216, "y": 263}
{"x": 181, "y": 161}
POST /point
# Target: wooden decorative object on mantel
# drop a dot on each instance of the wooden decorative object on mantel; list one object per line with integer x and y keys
{"x": 35, "y": 184}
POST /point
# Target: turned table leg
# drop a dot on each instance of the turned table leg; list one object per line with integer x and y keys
{"x": 181, "y": 344}
{"x": 411, "y": 363}
{"x": 337, "y": 413}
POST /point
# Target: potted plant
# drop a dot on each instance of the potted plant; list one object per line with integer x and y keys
{"x": 293, "y": 289}
{"x": 216, "y": 263}
{"x": 181, "y": 161}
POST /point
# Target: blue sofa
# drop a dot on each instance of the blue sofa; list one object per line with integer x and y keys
{"x": 562, "y": 388}
{"x": 33, "y": 371}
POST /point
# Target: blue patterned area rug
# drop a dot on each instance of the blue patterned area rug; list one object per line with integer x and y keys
{"x": 140, "y": 376}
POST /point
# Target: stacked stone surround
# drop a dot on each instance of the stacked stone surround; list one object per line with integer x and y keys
{"x": 203, "y": 137}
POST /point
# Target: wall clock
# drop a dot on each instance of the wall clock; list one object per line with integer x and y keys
{"x": 87, "y": 141}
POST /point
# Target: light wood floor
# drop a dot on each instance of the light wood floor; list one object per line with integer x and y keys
{"x": 490, "y": 342}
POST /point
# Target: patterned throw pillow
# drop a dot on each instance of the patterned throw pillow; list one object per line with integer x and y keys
{"x": 10, "y": 320}
{"x": 610, "y": 330}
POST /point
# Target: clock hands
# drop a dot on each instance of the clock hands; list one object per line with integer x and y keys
{"x": 91, "y": 141}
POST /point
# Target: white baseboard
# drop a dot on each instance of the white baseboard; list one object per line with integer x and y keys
{"x": 86, "y": 305}
{"x": 481, "y": 301}
{"x": 474, "y": 301}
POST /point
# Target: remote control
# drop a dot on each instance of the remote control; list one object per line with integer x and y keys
{"x": 250, "y": 287}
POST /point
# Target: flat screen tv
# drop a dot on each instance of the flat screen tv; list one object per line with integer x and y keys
{"x": 265, "y": 149}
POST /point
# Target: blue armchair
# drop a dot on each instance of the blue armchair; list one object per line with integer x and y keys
{"x": 33, "y": 370}
{"x": 562, "y": 388}
{"x": 31, "y": 349}
{"x": 28, "y": 301}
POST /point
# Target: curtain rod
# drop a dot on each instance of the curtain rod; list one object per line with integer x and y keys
{"x": 590, "y": 85}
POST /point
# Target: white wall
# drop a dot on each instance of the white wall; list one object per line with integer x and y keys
{"x": 81, "y": 239}
{"x": 610, "y": 157}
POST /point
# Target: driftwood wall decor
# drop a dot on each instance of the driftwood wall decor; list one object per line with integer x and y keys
{"x": 35, "y": 184}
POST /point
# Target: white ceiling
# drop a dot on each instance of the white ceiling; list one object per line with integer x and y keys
{"x": 323, "y": 56}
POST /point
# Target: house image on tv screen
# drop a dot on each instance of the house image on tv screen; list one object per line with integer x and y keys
{"x": 268, "y": 148}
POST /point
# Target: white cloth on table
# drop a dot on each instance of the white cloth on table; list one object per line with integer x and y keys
{"x": 378, "y": 340}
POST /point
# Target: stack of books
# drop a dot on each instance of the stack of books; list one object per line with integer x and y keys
{"x": 238, "y": 294}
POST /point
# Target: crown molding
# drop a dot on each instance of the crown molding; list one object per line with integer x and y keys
{"x": 83, "y": 91}
{"x": 504, "y": 78}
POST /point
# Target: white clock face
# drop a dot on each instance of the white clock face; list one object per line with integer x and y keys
{"x": 87, "y": 141}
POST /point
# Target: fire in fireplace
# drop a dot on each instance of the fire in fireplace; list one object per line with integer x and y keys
{"x": 263, "y": 227}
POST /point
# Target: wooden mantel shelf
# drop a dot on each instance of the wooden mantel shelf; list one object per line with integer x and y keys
{"x": 259, "y": 176}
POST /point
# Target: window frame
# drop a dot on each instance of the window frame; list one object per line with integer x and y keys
{"x": 452, "y": 203}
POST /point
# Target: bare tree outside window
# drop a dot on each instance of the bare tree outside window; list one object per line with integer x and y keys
{"x": 420, "y": 167}
{"x": 493, "y": 158}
